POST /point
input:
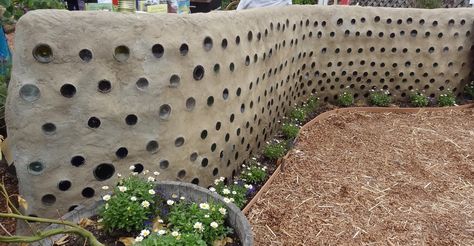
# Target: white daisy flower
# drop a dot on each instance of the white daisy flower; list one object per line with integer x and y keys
{"x": 106, "y": 197}
{"x": 174, "y": 196}
{"x": 206, "y": 216}
{"x": 151, "y": 179}
{"x": 225, "y": 191}
{"x": 133, "y": 198}
{"x": 145, "y": 233}
{"x": 234, "y": 192}
{"x": 182, "y": 198}
{"x": 204, "y": 206}
{"x": 156, "y": 173}
{"x": 198, "y": 226}
{"x": 151, "y": 192}
{"x": 161, "y": 232}
{"x": 122, "y": 188}
{"x": 139, "y": 239}
{"x": 170, "y": 202}
{"x": 214, "y": 224}
{"x": 226, "y": 200}
{"x": 145, "y": 204}
{"x": 223, "y": 211}
{"x": 212, "y": 189}
{"x": 105, "y": 187}
{"x": 132, "y": 167}
{"x": 175, "y": 234}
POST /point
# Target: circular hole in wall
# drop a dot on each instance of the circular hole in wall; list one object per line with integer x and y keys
{"x": 121, "y": 152}
{"x": 207, "y": 43}
{"x": 68, "y": 90}
{"x": 104, "y": 86}
{"x": 190, "y": 103}
{"x": 198, "y": 72}
{"x": 138, "y": 168}
{"x": 157, "y": 50}
{"x": 164, "y": 164}
{"x": 204, "y": 134}
{"x": 142, "y": 83}
{"x": 29, "y": 92}
{"x": 104, "y": 171}
{"x": 88, "y": 192}
{"x": 64, "y": 185}
{"x": 121, "y": 53}
{"x": 43, "y": 53}
{"x": 35, "y": 167}
{"x": 179, "y": 142}
{"x": 195, "y": 181}
{"x": 152, "y": 146}
{"x": 181, "y": 174}
{"x": 131, "y": 119}
{"x": 215, "y": 171}
{"x": 93, "y": 122}
{"x": 77, "y": 161}
{"x": 224, "y": 43}
{"x": 48, "y": 128}
{"x": 165, "y": 111}
{"x": 183, "y": 49}
{"x": 217, "y": 67}
{"x": 85, "y": 55}
{"x": 193, "y": 156}
{"x": 174, "y": 81}
{"x": 210, "y": 101}
{"x": 48, "y": 199}
{"x": 204, "y": 162}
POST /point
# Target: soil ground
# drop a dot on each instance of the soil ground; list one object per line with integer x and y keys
{"x": 11, "y": 185}
{"x": 374, "y": 179}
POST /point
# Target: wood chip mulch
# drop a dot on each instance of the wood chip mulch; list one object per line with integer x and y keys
{"x": 374, "y": 179}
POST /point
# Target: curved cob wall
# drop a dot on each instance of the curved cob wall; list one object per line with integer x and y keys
{"x": 192, "y": 97}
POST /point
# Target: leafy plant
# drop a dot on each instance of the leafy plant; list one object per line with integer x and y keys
{"x": 304, "y": 2}
{"x": 235, "y": 193}
{"x": 254, "y": 173}
{"x": 275, "y": 150}
{"x": 311, "y": 104}
{"x": 469, "y": 89}
{"x": 418, "y": 99}
{"x": 345, "y": 99}
{"x": 290, "y": 130}
{"x": 298, "y": 114}
{"x": 428, "y": 4}
{"x": 14, "y": 9}
{"x": 130, "y": 204}
{"x": 206, "y": 219}
{"x": 380, "y": 98}
{"x": 172, "y": 239}
{"x": 447, "y": 99}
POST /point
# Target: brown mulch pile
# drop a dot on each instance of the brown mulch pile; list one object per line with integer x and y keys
{"x": 11, "y": 185}
{"x": 374, "y": 178}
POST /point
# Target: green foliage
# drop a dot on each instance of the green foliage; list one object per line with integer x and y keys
{"x": 428, "y": 4}
{"x": 185, "y": 239}
{"x": 254, "y": 173}
{"x": 304, "y": 2}
{"x": 275, "y": 150}
{"x": 380, "y": 98}
{"x": 206, "y": 219}
{"x": 129, "y": 206}
{"x": 290, "y": 130}
{"x": 234, "y": 193}
{"x": 14, "y": 9}
{"x": 446, "y": 99}
{"x": 469, "y": 89}
{"x": 418, "y": 99}
{"x": 311, "y": 104}
{"x": 345, "y": 99}
{"x": 298, "y": 114}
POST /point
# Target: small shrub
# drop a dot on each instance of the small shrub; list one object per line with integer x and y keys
{"x": 235, "y": 193}
{"x": 254, "y": 173}
{"x": 206, "y": 219}
{"x": 428, "y": 4}
{"x": 418, "y": 99}
{"x": 130, "y": 204}
{"x": 469, "y": 90}
{"x": 380, "y": 98}
{"x": 311, "y": 104}
{"x": 171, "y": 238}
{"x": 345, "y": 99}
{"x": 298, "y": 114}
{"x": 275, "y": 150}
{"x": 446, "y": 99}
{"x": 290, "y": 130}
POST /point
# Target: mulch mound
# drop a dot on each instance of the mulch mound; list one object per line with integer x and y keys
{"x": 374, "y": 178}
